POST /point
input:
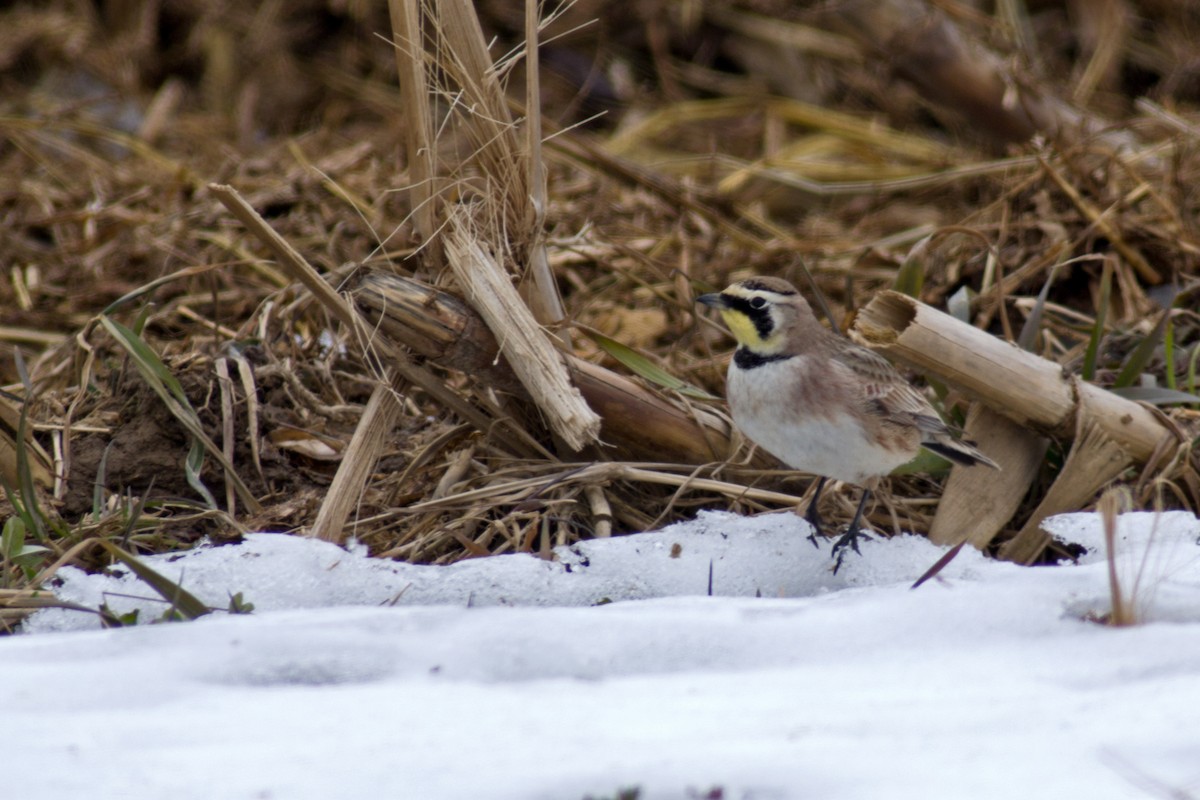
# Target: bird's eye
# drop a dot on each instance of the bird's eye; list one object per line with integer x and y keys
{"x": 758, "y": 302}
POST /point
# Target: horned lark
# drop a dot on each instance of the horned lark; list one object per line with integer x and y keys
{"x": 820, "y": 403}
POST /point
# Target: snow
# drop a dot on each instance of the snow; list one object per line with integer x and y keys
{"x": 610, "y": 668}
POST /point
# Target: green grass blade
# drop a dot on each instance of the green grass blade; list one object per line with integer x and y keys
{"x": 192, "y": 468}
{"x": 98, "y": 485}
{"x": 170, "y": 391}
{"x": 135, "y": 512}
{"x": 1028, "y": 337}
{"x": 22, "y": 371}
{"x": 14, "y": 500}
{"x": 1169, "y": 351}
{"x": 1135, "y": 365}
{"x": 1093, "y": 348}
{"x": 640, "y": 365}
{"x": 1191, "y": 374}
{"x": 910, "y": 278}
{"x": 25, "y": 473}
{"x": 139, "y": 324}
{"x": 1155, "y": 395}
{"x": 186, "y": 603}
{"x": 12, "y": 539}
{"x": 147, "y": 361}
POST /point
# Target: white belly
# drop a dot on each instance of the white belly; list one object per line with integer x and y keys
{"x": 833, "y": 444}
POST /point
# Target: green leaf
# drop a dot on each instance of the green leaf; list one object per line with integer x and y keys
{"x": 13, "y": 547}
{"x": 12, "y": 540}
{"x": 14, "y": 500}
{"x": 643, "y": 366}
{"x": 239, "y": 604}
{"x": 110, "y": 619}
{"x": 910, "y": 278}
{"x": 925, "y": 463}
{"x": 1155, "y": 395}
{"x": 1141, "y": 355}
{"x": 13, "y": 537}
{"x": 188, "y": 605}
{"x": 30, "y": 555}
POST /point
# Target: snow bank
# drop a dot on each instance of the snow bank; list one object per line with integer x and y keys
{"x": 501, "y": 678}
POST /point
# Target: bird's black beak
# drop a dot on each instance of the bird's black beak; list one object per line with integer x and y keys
{"x": 713, "y": 300}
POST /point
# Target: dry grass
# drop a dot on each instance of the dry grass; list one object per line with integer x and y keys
{"x": 731, "y": 148}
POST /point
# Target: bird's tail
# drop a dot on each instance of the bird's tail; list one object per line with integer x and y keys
{"x": 960, "y": 451}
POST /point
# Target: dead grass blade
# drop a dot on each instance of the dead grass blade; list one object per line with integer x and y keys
{"x": 19, "y": 453}
{"x": 1101, "y": 220}
{"x": 377, "y": 422}
{"x": 600, "y": 473}
{"x": 545, "y": 301}
{"x": 536, "y": 363}
{"x": 938, "y": 565}
{"x": 1112, "y": 502}
{"x": 225, "y": 383}
{"x": 289, "y": 258}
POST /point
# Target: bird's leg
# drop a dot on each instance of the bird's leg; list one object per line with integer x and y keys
{"x": 850, "y": 537}
{"x": 813, "y": 515}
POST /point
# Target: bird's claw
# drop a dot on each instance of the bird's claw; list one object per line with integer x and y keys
{"x": 849, "y": 539}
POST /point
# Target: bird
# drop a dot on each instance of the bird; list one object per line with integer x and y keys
{"x": 820, "y": 403}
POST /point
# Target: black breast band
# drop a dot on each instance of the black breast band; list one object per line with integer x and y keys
{"x": 748, "y": 359}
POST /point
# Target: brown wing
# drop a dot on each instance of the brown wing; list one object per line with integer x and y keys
{"x": 888, "y": 395}
{"x": 885, "y": 390}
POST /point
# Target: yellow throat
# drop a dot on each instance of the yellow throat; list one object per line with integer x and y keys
{"x": 747, "y": 335}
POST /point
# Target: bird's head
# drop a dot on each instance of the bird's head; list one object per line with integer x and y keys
{"x": 759, "y": 312}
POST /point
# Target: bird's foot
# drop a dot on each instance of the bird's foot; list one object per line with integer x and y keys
{"x": 813, "y": 516}
{"x": 815, "y": 537}
{"x": 814, "y": 519}
{"x": 848, "y": 541}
